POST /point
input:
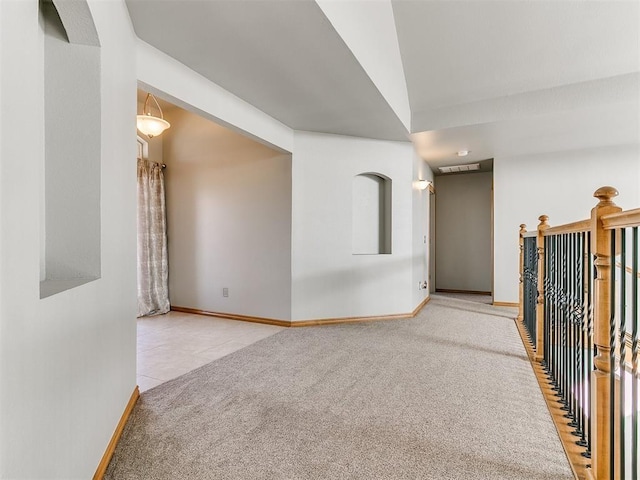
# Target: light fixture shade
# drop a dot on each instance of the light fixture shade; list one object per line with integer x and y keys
{"x": 423, "y": 184}
{"x": 148, "y": 124}
{"x": 151, "y": 126}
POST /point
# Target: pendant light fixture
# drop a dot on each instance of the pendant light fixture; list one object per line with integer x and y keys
{"x": 148, "y": 124}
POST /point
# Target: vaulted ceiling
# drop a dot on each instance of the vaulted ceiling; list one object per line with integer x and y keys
{"x": 499, "y": 78}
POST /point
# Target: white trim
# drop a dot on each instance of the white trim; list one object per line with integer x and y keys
{"x": 143, "y": 148}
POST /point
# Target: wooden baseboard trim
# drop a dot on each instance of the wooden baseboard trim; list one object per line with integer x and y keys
{"x": 303, "y": 323}
{"x": 468, "y": 292}
{"x": 233, "y": 316}
{"x": 335, "y": 321}
{"x": 505, "y": 304}
{"x": 106, "y": 458}
{"x": 420, "y": 306}
{"x": 573, "y": 452}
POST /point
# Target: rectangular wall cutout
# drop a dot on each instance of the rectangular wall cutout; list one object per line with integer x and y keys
{"x": 72, "y": 100}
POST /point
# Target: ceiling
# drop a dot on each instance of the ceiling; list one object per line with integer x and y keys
{"x": 499, "y": 78}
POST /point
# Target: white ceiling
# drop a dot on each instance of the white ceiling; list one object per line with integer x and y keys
{"x": 282, "y": 56}
{"x": 499, "y": 78}
{"x": 460, "y": 52}
{"x": 601, "y": 126}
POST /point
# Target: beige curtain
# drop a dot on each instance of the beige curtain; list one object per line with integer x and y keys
{"x": 153, "y": 265}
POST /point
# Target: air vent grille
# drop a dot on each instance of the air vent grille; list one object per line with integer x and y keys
{"x": 460, "y": 168}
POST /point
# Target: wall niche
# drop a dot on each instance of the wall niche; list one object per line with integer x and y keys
{"x": 371, "y": 214}
{"x": 70, "y": 238}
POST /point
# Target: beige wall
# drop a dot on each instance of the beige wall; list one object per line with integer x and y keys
{"x": 463, "y": 231}
{"x": 229, "y": 220}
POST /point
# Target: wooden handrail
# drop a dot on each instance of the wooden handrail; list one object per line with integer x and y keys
{"x": 627, "y": 268}
{"x": 583, "y": 269}
{"x": 627, "y": 218}
{"x": 574, "y": 227}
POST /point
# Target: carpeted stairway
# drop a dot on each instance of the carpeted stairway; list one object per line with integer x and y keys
{"x": 448, "y": 394}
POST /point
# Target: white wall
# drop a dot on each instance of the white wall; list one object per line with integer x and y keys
{"x": 67, "y": 362}
{"x": 421, "y": 260}
{"x": 72, "y": 159}
{"x": 559, "y": 185}
{"x": 463, "y": 232}
{"x": 229, "y": 220}
{"x": 327, "y": 279}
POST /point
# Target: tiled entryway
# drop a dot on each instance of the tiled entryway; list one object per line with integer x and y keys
{"x": 173, "y": 344}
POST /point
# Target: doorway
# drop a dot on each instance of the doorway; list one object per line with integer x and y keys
{"x": 464, "y": 231}
{"x": 432, "y": 240}
{"x": 223, "y": 190}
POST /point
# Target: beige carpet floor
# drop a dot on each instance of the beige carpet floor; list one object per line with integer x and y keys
{"x": 448, "y": 394}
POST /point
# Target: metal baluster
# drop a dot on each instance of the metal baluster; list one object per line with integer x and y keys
{"x": 589, "y": 339}
{"x": 527, "y": 285}
{"x": 525, "y": 281}
{"x": 577, "y": 360}
{"x": 578, "y": 319}
{"x": 634, "y": 355}
{"x": 570, "y": 312}
{"x": 591, "y": 350}
{"x": 550, "y": 254}
{"x": 534, "y": 290}
{"x": 547, "y": 294}
{"x": 565, "y": 324}
{"x": 559, "y": 317}
{"x": 612, "y": 357}
{"x": 570, "y": 306}
{"x": 556, "y": 309}
{"x": 623, "y": 344}
{"x": 552, "y": 281}
{"x": 581, "y": 339}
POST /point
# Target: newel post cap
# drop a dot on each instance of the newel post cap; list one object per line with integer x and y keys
{"x": 543, "y": 221}
{"x": 523, "y": 228}
{"x": 605, "y": 195}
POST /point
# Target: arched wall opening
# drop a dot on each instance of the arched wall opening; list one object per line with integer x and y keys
{"x": 371, "y": 214}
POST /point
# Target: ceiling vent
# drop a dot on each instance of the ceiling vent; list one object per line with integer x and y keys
{"x": 460, "y": 168}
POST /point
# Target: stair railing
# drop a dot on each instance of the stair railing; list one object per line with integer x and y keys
{"x": 579, "y": 303}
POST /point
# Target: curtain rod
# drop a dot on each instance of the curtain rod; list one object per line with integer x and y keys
{"x": 161, "y": 164}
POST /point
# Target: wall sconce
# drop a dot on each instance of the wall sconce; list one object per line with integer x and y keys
{"x": 423, "y": 184}
{"x": 148, "y": 124}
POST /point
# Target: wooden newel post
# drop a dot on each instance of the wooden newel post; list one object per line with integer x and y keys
{"x": 600, "y": 383}
{"x": 523, "y": 230}
{"x": 539, "y": 340}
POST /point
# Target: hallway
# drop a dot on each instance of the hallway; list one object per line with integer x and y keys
{"x": 449, "y": 394}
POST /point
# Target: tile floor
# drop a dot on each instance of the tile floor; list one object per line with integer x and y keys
{"x": 173, "y": 344}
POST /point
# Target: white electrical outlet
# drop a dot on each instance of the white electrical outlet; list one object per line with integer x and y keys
{"x": 225, "y": 292}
